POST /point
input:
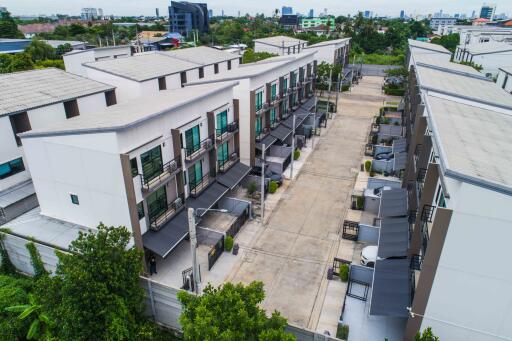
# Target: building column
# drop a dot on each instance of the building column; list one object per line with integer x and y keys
{"x": 132, "y": 202}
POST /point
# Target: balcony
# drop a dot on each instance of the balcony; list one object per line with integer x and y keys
{"x": 275, "y": 124}
{"x": 167, "y": 213}
{"x": 262, "y": 108}
{"x": 262, "y": 134}
{"x": 192, "y": 153}
{"x": 224, "y": 165}
{"x": 166, "y": 172}
{"x": 201, "y": 184}
{"x": 275, "y": 100}
{"x": 226, "y": 132}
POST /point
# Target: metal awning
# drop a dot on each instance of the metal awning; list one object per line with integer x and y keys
{"x": 163, "y": 241}
{"x": 399, "y": 145}
{"x": 309, "y": 104}
{"x": 267, "y": 141}
{"x": 399, "y": 161}
{"x": 281, "y": 132}
{"x": 208, "y": 198}
{"x": 391, "y": 293}
{"x": 393, "y": 237}
{"x": 393, "y": 203}
{"x": 300, "y": 117}
{"x": 234, "y": 175}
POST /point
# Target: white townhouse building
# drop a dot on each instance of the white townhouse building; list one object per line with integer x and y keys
{"x": 504, "y": 79}
{"x": 268, "y": 94}
{"x": 280, "y": 45}
{"x": 140, "y": 163}
{"x": 332, "y": 51}
{"x": 491, "y": 56}
{"x": 149, "y": 72}
{"x": 434, "y": 51}
{"x": 477, "y": 34}
{"x": 74, "y": 60}
{"x": 30, "y": 100}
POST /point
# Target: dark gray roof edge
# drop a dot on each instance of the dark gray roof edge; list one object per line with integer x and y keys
{"x": 507, "y": 72}
{"x": 467, "y": 98}
{"x": 456, "y": 72}
{"x": 60, "y": 101}
{"x": 135, "y": 123}
{"x": 486, "y": 184}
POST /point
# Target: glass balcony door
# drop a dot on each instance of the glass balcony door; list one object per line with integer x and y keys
{"x": 195, "y": 174}
{"x": 222, "y": 122}
{"x": 152, "y": 164}
{"x": 157, "y": 203}
{"x": 259, "y": 100}
{"x": 272, "y": 116}
{"x": 193, "y": 139}
{"x": 258, "y": 125}
{"x": 222, "y": 153}
{"x": 273, "y": 91}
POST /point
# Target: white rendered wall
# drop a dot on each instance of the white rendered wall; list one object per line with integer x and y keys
{"x": 126, "y": 89}
{"x": 502, "y": 77}
{"x": 492, "y": 62}
{"x": 259, "y": 47}
{"x": 473, "y": 283}
{"x": 73, "y": 62}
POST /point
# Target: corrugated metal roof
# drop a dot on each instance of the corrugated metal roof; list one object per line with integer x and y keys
{"x": 393, "y": 203}
{"x": 391, "y": 293}
{"x": 393, "y": 237}
{"x": 21, "y": 91}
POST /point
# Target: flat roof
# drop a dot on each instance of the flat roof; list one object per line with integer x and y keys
{"x": 430, "y": 59}
{"x": 129, "y": 114}
{"x": 201, "y": 55}
{"x": 104, "y": 48}
{"x": 507, "y": 69}
{"x": 474, "y": 142}
{"x": 22, "y": 91}
{"x": 428, "y": 46}
{"x": 329, "y": 42}
{"x": 280, "y": 41}
{"x": 486, "y": 48}
{"x": 143, "y": 67}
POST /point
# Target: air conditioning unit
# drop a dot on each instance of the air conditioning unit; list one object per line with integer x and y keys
{"x": 207, "y": 143}
{"x": 234, "y": 157}
{"x": 265, "y": 106}
{"x": 173, "y": 166}
{"x": 178, "y": 203}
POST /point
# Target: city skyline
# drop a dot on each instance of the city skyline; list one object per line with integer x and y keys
{"x": 134, "y": 8}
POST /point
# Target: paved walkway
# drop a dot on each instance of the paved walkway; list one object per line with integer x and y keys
{"x": 291, "y": 253}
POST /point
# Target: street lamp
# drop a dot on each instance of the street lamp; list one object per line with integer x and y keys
{"x": 193, "y": 242}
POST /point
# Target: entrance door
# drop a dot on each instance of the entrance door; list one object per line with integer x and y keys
{"x": 222, "y": 122}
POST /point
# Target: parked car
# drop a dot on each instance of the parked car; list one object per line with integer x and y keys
{"x": 256, "y": 170}
{"x": 369, "y": 255}
{"x": 384, "y": 156}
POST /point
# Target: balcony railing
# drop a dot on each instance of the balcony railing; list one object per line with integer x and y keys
{"x": 427, "y": 213}
{"x": 416, "y": 262}
{"x": 193, "y": 152}
{"x": 262, "y": 134}
{"x": 156, "y": 222}
{"x": 264, "y": 106}
{"x": 167, "y": 170}
{"x": 273, "y": 125}
{"x": 197, "y": 187}
{"x": 224, "y": 165}
{"x": 225, "y": 132}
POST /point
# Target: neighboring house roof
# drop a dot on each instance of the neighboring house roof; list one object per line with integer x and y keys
{"x": 37, "y": 28}
{"x": 201, "y": 55}
{"x": 428, "y": 46}
{"x": 104, "y": 48}
{"x": 486, "y": 48}
{"x": 329, "y": 42}
{"x": 506, "y": 69}
{"x": 143, "y": 67}
{"x": 22, "y": 91}
{"x": 132, "y": 113}
{"x": 280, "y": 41}
{"x": 431, "y": 60}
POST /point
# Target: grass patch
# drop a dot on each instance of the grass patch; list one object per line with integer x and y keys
{"x": 383, "y": 59}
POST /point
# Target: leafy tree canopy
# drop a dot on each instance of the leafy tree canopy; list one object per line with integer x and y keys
{"x": 449, "y": 41}
{"x": 8, "y": 27}
{"x": 427, "y": 335}
{"x": 230, "y": 312}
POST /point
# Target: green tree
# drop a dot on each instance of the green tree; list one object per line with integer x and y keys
{"x": 40, "y": 50}
{"x": 63, "y": 48}
{"x": 8, "y": 27}
{"x": 250, "y": 56}
{"x": 230, "y": 312}
{"x": 76, "y": 29}
{"x": 96, "y": 294}
{"x": 427, "y": 335}
{"x": 20, "y": 62}
{"x": 33, "y": 311}
{"x": 13, "y": 291}
{"x": 449, "y": 41}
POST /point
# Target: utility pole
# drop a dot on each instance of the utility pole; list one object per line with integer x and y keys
{"x": 193, "y": 248}
{"x": 293, "y": 147}
{"x": 338, "y": 91}
{"x": 262, "y": 193}
{"x": 329, "y": 93}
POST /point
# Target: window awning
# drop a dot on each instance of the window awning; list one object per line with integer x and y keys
{"x": 393, "y": 237}
{"x": 309, "y": 105}
{"x": 234, "y": 175}
{"x": 391, "y": 293}
{"x": 267, "y": 141}
{"x": 393, "y": 203}
{"x": 281, "y": 132}
{"x": 300, "y": 117}
{"x": 208, "y": 198}
{"x": 163, "y": 241}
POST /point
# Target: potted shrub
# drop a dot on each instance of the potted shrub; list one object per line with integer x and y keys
{"x": 296, "y": 154}
{"x": 342, "y": 332}
{"x": 368, "y": 165}
{"x": 228, "y": 243}
{"x": 251, "y": 187}
{"x": 344, "y": 269}
{"x": 272, "y": 187}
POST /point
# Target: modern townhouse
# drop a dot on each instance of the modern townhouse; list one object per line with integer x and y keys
{"x": 477, "y": 34}
{"x": 434, "y": 52}
{"x": 140, "y": 163}
{"x": 491, "y": 56}
{"x": 504, "y": 79}
{"x": 332, "y": 51}
{"x": 150, "y": 72}
{"x": 74, "y": 60}
{"x": 280, "y": 45}
{"x": 459, "y": 135}
{"x": 269, "y": 93}
{"x": 30, "y": 100}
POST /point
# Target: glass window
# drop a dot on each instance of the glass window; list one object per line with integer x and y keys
{"x": 12, "y": 167}
{"x": 285, "y": 84}
{"x": 273, "y": 91}
{"x": 140, "y": 210}
{"x": 195, "y": 174}
{"x": 259, "y": 100}
{"x": 157, "y": 203}
{"x": 222, "y": 122}
{"x": 152, "y": 164}
{"x": 193, "y": 139}
{"x": 74, "y": 199}
{"x": 258, "y": 125}
{"x": 135, "y": 169}
{"x": 272, "y": 115}
{"x": 222, "y": 153}
{"x": 442, "y": 202}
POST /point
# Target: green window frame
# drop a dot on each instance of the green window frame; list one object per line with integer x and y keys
{"x": 195, "y": 174}
{"x": 273, "y": 91}
{"x": 258, "y": 125}
{"x": 157, "y": 203}
{"x": 285, "y": 84}
{"x": 152, "y": 164}
{"x": 222, "y": 122}
{"x": 259, "y": 100}
{"x": 222, "y": 153}
{"x": 12, "y": 167}
{"x": 140, "y": 210}
{"x": 74, "y": 199}
{"x": 193, "y": 139}
{"x": 134, "y": 167}
{"x": 272, "y": 115}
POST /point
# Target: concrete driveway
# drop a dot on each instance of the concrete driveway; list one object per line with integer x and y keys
{"x": 291, "y": 253}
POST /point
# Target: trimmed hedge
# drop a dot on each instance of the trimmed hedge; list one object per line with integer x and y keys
{"x": 296, "y": 154}
{"x": 228, "y": 243}
{"x": 344, "y": 269}
{"x": 272, "y": 187}
{"x": 394, "y": 92}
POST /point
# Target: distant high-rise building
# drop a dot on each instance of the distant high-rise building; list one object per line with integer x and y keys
{"x": 222, "y": 13}
{"x": 367, "y": 14}
{"x": 402, "y": 14}
{"x": 184, "y": 17}
{"x": 285, "y": 10}
{"x": 311, "y": 13}
{"x": 100, "y": 13}
{"x": 487, "y": 11}
{"x": 157, "y": 12}
{"x": 210, "y": 13}
{"x": 473, "y": 14}
{"x": 89, "y": 13}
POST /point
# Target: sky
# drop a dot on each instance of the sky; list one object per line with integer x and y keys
{"x": 231, "y": 7}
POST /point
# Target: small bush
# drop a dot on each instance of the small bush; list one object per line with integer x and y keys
{"x": 228, "y": 243}
{"x": 251, "y": 187}
{"x": 342, "y": 332}
{"x": 6, "y": 266}
{"x": 368, "y": 165}
{"x": 360, "y": 203}
{"x": 344, "y": 268}
{"x": 272, "y": 187}
{"x": 393, "y": 92}
{"x": 296, "y": 154}
{"x": 378, "y": 120}
{"x": 345, "y": 87}
{"x": 372, "y": 174}
{"x": 375, "y": 139}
